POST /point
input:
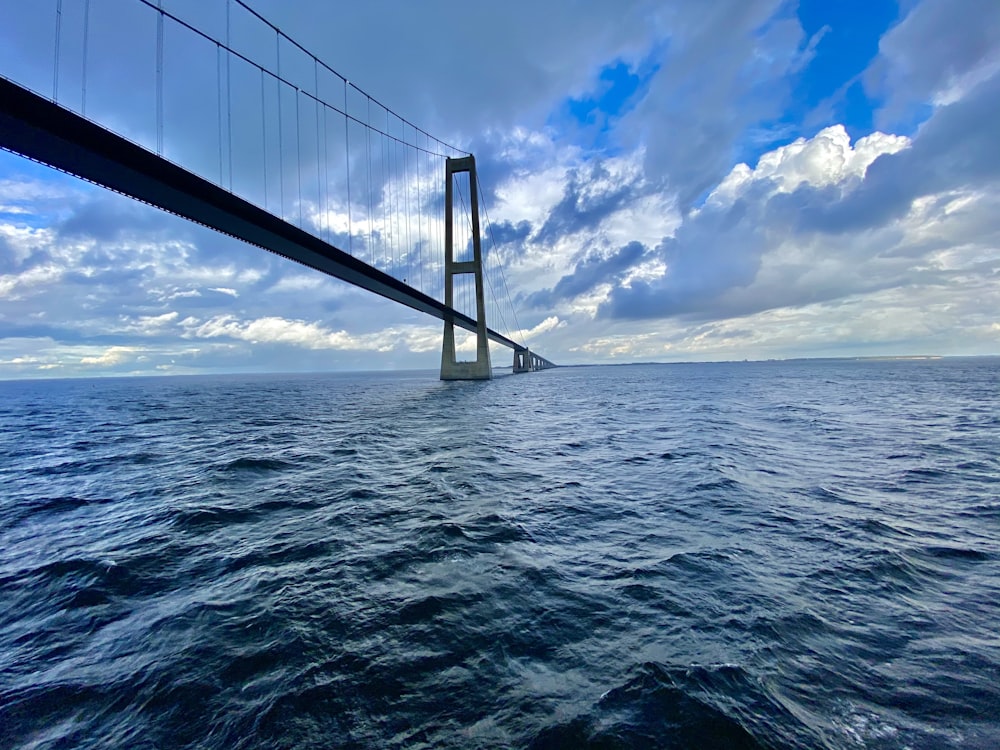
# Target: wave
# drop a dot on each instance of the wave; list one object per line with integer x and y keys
{"x": 408, "y": 574}
{"x": 255, "y": 465}
{"x": 713, "y": 706}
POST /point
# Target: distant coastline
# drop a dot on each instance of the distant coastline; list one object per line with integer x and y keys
{"x": 869, "y": 358}
{"x": 498, "y": 369}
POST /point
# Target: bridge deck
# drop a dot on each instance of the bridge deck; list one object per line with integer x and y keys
{"x": 39, "y": 129}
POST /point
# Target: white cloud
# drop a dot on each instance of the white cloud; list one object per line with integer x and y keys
{"x": 825, "y": 159}
{"x": 299, "y": 283}
{"x": 167, "y": 296}
{"x": 149, "y": 325}
{"x": 530, "y": 196}
{"x": 111, "y": 357}
{"x": 959, "y": 85}
{"x": 530, "y": 335}
{"x": 300, "y": 333}
{"x": 14, "y": 286}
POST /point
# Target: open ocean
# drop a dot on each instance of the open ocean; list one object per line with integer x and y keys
{"x": 741, "y": 555}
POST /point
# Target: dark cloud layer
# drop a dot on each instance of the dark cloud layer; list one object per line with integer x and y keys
{"x": 710, "y": 254}
{"x": 592, "y": 270}
{"x": 590, "y": 196}
{"x": 936, "y": 44}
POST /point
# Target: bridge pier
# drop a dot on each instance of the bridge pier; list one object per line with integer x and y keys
{"x": 527, "y": 361}
{"x": 451, "y": 368}
{"x": 522, "y": 361}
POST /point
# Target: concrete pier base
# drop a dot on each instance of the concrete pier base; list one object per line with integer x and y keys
{"x": 452, "y": 369}
{"x": 522, "y": 360}
{"x": 526, "y": 361}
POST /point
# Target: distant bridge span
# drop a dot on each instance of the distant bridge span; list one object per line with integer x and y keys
{"x": 41, "y": 130}
{"x": 394, "y": 219}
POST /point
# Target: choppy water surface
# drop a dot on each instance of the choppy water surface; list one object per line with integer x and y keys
{"x": 729, "y": 555}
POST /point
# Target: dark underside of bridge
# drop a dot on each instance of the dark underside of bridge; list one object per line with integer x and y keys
{"x": 41, "y": 130}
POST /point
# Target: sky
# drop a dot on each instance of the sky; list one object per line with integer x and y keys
{"x": 666, "y": 181}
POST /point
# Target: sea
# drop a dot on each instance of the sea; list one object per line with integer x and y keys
{"x": 792, "y": 554}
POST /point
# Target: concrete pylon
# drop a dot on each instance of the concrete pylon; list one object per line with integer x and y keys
{"x": 451, "y": 368}
{"x": 527, "y": 361}
{"x": 522, "y": 360}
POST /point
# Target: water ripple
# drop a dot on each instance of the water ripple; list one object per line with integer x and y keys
{"x": 775, "y": 555}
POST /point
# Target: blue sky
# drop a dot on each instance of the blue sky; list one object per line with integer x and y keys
{"x": 666, "y": 181}
{"x": 847, "y": 36}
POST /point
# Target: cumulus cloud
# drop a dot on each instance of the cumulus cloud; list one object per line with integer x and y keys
{"x": 310, "y": 335}
{"x": 113, "y": 356}
{"x": 955, "y": 149}
{"x": 16, "y": 286}
{"x": 149, "y": 325}
{"x": 820, "y": 219}
{"x": 535, "y": 333}
{"x": 824, "y": 160}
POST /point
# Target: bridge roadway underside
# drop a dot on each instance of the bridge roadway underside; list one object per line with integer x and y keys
{"x": 41, "y": 130}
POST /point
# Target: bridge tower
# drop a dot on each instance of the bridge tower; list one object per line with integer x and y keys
{"x": 451, "y": 368}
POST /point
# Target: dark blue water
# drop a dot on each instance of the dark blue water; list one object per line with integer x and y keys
{"x": 725, "y": 555}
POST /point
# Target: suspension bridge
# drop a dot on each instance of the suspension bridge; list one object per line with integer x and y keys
{"x": 211, "y": 112}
